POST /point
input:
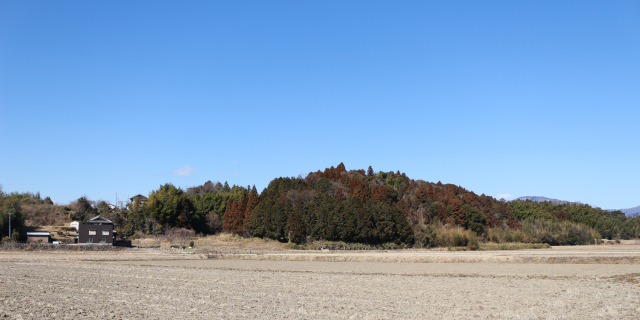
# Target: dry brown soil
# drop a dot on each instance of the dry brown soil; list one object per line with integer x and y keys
{"x": 365, "y": 285}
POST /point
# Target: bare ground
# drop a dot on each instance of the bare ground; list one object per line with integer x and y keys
{"x": 166, "y": 285}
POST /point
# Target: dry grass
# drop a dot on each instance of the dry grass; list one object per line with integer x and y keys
{"x": 513, "y": 246}
{"x": 581, "y": 260}
{"x": 356, "y": 258}
{"x": 433, "y": 259}
{"x": 631, "y": 278}
{"x": 221, "y": 242}
{"x": 598, "y": 255}
{"x": 543, "y": 231}
{"x": 44, "y": 215}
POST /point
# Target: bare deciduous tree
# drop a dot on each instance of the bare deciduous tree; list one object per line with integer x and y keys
{"x": 205, "y": 188}
{"x": 213, "y": 222}
{"x": 41, "y": 214}
{"x": 335, "y": 185}
{"x": 421, "y": 212}
{"x": 311, "y": 179}
{"x": 181, "y": 236}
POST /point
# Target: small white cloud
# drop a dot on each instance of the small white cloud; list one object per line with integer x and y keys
{"x": 235, "y": 174}
{"x": 185, "y": 171}
{"x": 234, "y": 162}
{"x": 505, "y": 196}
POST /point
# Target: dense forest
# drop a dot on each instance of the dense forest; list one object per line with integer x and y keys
{"x": 355, "y": 206}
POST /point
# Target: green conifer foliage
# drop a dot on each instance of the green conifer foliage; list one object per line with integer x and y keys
{"x": 295, "y": 228}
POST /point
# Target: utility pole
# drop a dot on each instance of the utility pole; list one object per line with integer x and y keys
{"x": 10, "y": 213}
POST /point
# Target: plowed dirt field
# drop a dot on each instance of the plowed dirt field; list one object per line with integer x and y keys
{"x": 160, "y": 285}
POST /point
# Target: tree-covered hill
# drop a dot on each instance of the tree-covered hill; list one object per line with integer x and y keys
{"x": 337, "y": 204}
{"x": 362, "y": 206}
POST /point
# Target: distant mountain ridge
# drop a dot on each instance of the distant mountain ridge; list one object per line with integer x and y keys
{"x": 543, "y": 199}
{"x": 628, "y": 212}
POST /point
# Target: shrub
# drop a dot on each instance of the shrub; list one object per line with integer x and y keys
{"x": 545, "y": 231}
{"x": 473, "y": 241}
{"x": 450, "y": 236}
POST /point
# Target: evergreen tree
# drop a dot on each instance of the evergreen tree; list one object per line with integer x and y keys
{"x": 567, "y": 215}
{"x": 260, "y": 223}
{"x": 442, "y": 213}
{"x": 282, "y": 219}
{"x": 384, "y": 221}
{"x": 314, "y": 219}
{"x": 229, "y": 213}
{"x": 252, "y": 202}
{"x": 359, "y": 224}
{"x": 186, "y": 211}
{"x": 421, "y": 194}
{"x": 475, "y": 220}
{"x": 295, "y": 228}
{"x": 238, "y": 215}
{"x": 491, "y": 218}
{"x": 404, "y": 233}
{"x": 458, "y": 213}
{"x": 170, "y": 207}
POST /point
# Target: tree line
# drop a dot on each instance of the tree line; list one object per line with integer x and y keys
{"x": 363, "y": 206}
{"x": 353, "y": 206}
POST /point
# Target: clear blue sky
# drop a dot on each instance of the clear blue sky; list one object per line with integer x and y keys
{"x": 501, "y": 97}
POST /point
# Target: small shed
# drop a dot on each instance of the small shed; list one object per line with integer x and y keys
{"x": 45, "y": 237}
{"x": 75, "y": 224}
